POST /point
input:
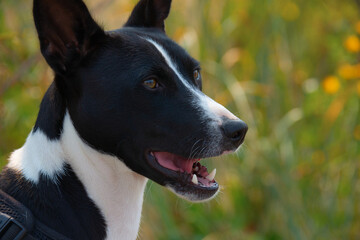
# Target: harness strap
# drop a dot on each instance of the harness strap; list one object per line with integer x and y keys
{"x": 18, "y": 223}
{"x": 10, "y": 229}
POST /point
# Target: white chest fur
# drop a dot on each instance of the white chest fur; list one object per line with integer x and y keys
{"x": 114, "y": 188}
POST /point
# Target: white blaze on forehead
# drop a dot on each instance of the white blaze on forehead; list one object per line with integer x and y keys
{"x": 169, "y": 62}
{"x": 211, "y": 108}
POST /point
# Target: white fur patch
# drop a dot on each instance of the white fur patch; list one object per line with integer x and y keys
{"x": 115, "y": 189}
{"x": 209, "y": 107}
{"x": 218, "y": 109}
{"x": 169, "y": 61}
{"x": 38, "y": 155}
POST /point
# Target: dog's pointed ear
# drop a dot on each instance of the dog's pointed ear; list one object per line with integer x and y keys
{"x": 66, "y": 31}
{"x": 150, "y": 13}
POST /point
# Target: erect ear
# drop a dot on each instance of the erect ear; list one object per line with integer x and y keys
{"x": 66, "y": 31}
{"x": 150, "y": 13}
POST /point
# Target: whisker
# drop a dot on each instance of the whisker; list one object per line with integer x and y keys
{"x": 191, "y": 151}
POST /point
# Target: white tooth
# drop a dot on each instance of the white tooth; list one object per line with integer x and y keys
{"x": 211, "y": 176}
{"x": 194, "y": 179}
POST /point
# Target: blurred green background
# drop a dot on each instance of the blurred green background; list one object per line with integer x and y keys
{"x": 289, "y": 68}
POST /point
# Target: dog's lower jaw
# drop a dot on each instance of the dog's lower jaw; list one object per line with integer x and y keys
{"x": 114, "y": 188}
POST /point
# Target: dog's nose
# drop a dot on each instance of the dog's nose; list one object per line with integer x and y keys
{"x": 235, "y": 131}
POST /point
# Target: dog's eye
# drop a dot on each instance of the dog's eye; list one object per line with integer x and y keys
{"x": 197, "y": 75}
{"x": 151, "y": 84}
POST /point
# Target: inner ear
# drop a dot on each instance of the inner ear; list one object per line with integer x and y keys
{"x": 150, "y": 13}
{"x": 66, "y": 31}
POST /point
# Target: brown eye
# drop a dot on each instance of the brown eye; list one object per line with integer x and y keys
{"x": 197, "y": 75}
{"x": 151, "y": 83}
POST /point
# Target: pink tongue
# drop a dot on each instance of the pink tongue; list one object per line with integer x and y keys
{"x": 174, "y": 162}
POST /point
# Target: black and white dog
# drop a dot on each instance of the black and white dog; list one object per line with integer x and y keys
{"x": 125, "y": 106}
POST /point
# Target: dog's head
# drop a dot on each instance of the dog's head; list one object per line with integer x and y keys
{"x": 135, "y": 94}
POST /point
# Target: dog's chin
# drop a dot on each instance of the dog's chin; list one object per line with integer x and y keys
{"x": 187, "y": 178}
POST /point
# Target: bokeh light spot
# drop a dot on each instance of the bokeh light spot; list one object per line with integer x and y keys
{"x": 331, "y": 84}
{"x": 352, "y": 43}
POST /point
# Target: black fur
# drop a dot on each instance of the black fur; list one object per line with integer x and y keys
{"x": 51, "y": 114}
{"x": 150, "y": 13}
{"x": 66, "y": 31}
{"x": 99, "y": 80}
{"x": 63, "y": 206}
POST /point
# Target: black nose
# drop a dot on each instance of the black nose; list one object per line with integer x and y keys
{"x": 235, "y": 131}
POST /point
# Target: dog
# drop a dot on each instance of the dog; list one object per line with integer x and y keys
{"x": 125, "y": 106}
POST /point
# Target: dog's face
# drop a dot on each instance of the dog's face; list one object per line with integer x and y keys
{"x": 136, "y": 94}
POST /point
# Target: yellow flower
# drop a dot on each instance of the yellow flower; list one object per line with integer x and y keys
{"x": 352, "y": 43}
{"x": 331, "y": 84}
{"x": 358, "y": 88}
{"x": 348, "y": 71}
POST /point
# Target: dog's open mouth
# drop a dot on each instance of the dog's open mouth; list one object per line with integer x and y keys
{"x": 198, "y": 174}
{"x": 186, "y": 177}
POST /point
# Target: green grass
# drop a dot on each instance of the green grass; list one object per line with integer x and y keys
{"x": 297, "y": 175}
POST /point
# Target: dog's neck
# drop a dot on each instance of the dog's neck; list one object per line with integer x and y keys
{"x": 115, "y": 189}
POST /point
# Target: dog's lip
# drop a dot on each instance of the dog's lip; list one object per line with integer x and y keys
{"x": 181, "y": 177}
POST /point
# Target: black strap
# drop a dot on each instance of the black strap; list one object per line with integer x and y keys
{"x": 18, "y": 223}
{"x": 10, "y": 229}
